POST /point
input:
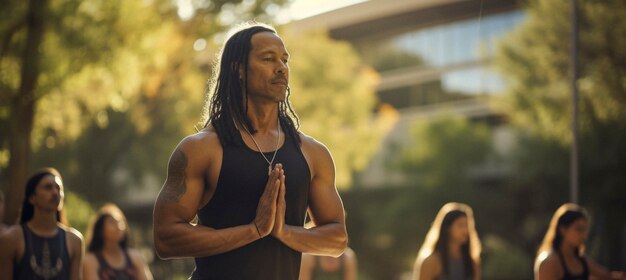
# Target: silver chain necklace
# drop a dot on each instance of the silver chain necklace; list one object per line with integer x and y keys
{"x": 269, "y": 162}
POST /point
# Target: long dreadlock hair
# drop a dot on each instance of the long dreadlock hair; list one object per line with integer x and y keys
{"x": 229, "y": 101}
{"x": 438, "y": 239}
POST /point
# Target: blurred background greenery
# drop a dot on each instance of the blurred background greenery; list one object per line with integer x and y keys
{"x": 104, "y": 90}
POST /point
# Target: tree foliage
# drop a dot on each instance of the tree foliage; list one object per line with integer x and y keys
{"x": 535, "y": 61}
{"x": 94, "y": 61}
{"x": 334, "y": 96}
{"x": 436, "y": 152}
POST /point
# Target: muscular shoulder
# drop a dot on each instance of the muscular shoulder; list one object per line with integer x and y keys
{"x": 205, "y": 140}
{"x": 317, "y": 155}
{"x": 308, "y": 142}
{"x": 315, "y": 150}
{"x": 198, "y": 148}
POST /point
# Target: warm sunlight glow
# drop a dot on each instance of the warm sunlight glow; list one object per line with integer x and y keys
{"x": 300, "y": 9}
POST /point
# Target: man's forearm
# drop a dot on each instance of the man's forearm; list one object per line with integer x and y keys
{"x": 326, "y": 240}
{"x": 184, "y": 240}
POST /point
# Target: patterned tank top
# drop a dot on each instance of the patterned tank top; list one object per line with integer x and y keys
{"x": 107, "y": 272}
{"x": 44, "y": 257}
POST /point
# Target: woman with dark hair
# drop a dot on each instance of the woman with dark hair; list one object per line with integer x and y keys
{"x": 108, "y": 256}
{"x": 42, "y": 246}
{"x": 561, "y": 254}
{"x": 451, "y": 250}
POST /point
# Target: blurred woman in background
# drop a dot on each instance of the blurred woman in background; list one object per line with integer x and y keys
{"x": 108, "y": 256}
{"x": 343, "y": 267}
{"x": 561, "y": 254}
{"x": 451, "y": 250}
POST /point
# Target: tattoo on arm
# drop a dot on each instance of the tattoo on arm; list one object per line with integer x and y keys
{"x": 175, "y": 185}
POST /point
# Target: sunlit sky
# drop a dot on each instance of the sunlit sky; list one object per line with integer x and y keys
{"x": 305, "y": 8}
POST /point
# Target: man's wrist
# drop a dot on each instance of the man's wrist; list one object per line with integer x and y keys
{"x": 285, "y": 233}
{"x": 255, "y": 231}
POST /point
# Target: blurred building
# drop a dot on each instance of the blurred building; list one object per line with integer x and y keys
{"x": 434, "y": 57}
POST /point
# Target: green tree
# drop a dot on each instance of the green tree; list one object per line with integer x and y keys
{"x": 437, "y": 152}
{"x": 443, "y": 163}
{"x": 535, "y": 61}
{"x": 53, "y": 44}
{"x": 334, "y": 96}
{"x": 80, "y": 61}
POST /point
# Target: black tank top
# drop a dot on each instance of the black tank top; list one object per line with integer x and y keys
{"x": 241, "y": 183}
{"x": 44, "y": 257}
{"x": 567, "y": 275}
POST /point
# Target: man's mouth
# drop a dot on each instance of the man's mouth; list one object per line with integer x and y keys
{"x": 280, "y": 82}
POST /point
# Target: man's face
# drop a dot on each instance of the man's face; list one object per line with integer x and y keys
{"x": 268, "y": 71}
{"x": 48, "y": 194}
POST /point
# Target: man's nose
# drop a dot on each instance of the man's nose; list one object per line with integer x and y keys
{"x": 282, "y": 68}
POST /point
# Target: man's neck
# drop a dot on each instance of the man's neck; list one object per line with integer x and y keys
{"x": 263, "y": 117}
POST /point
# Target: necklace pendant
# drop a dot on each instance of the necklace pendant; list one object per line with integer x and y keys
{"x": 269, "y": 170}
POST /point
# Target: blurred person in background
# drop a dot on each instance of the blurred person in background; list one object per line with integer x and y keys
{"x": 3, "y": 227}
{"x": 108, "y": 255}
{"x": 42, "y": 246}
{"x": 343, "y": 267}
{"x": 250, "y": 221}
{"x": 562, "y": 252}
{"x": 451, "y": 249}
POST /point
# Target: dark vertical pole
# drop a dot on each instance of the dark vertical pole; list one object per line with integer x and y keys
{"x": 574, "y": 117}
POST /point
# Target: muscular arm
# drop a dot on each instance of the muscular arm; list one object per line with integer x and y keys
{"x": 182, "y": 195}
{"x": 177, "y": 205}
{"x": 329, "y": 236}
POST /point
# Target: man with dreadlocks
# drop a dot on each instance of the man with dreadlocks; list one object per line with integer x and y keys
{"x": 249, "y": 175}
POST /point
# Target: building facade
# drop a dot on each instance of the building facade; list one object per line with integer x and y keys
{"x": 433, "y": 57}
